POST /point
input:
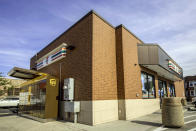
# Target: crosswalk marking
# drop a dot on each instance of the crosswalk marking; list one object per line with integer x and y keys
{"x": 193, "y": 129}
{"x": 162, "y": 128}
{"x": 190, "y": 121}
{"x": 189, "y": 116}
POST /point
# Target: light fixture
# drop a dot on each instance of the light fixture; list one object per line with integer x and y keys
{"x": 70, "y": 47}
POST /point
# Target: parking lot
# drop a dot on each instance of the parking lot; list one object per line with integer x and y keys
{"x": 11, "y": 122}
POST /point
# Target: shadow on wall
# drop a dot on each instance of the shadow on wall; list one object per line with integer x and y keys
{"x": 148, "y": 123}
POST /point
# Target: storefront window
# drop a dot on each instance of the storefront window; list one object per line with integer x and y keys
{"x": 148, "y": 88}
{"x": 190, "y": 84}
{"x": 172, "y": 90}
{"x": 162, "y": 89}
{"x": 32, "y": 99}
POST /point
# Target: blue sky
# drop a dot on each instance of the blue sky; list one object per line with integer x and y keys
{"x": 26, "y": 26}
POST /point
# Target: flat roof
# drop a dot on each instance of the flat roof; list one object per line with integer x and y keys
{"x": 23, "y": 73}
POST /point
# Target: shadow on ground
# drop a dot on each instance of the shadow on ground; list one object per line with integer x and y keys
{"x": 4, "y": 115}
{"x": 147, "y": 123}
{"x": 156, "y": 113}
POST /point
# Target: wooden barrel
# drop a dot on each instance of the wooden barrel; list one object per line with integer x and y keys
{"x": 172, "y": 112}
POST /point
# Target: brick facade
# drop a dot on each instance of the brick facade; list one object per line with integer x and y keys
{"x": 104, "y": 62}
{"x": 77, "y": 63}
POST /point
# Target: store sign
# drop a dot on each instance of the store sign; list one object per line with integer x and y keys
{"x": 174, "y": 67}
{"x": 52, "y": 57}
{"x": 52, "y": 82}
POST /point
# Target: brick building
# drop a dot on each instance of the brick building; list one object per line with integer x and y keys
{"x": 117, "y": 75}
{"x": 190, "y": 87}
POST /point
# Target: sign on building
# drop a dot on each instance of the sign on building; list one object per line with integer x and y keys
{"x": 53, "y": 56}
{"x": 174, "y": 67}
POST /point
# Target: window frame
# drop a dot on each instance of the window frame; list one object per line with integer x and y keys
{"x": 153, "y": 79}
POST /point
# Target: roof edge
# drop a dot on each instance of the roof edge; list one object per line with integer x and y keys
{"x": 95, "y": 13}
{"x": 155, "y": 44}
{"x": 121, "y": 25}
{"x": 89, "y": 13}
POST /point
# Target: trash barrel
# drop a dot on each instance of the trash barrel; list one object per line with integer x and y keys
{"x": 172, "y": 112}
{"x": 184, "y": 102}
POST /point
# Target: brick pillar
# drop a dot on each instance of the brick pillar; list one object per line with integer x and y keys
{"x": 156, "y": 86}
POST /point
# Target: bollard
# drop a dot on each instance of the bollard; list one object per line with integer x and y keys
{"x": 172, "y": 112}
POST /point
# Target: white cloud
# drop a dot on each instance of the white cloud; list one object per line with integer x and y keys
{"x": 15, "y": 57}
{"x": 169, "y": 23}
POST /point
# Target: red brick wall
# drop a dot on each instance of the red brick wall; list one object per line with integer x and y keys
{"x": 77, "y": 63}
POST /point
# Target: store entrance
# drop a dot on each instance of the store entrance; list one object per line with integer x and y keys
{"x": 162, "y": 90}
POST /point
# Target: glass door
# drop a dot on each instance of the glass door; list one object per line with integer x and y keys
{"x": 172, "y": 90}
{"x": 148, "y": 86}
{"x": 162, "y": 89}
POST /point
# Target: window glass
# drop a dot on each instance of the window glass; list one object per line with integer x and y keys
{"x": 192, "y": 92}
{"x": 162, "y": 89}
{"x": 190, "y": 83}
{"x": 151, "y": 86}
{"x": 148, "y": 88}
{"x": 144, "y": 85}
{"x": 172, "y": 90}
{"x": 34, "y": 99}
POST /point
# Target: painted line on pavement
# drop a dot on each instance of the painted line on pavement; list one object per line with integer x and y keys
{"x": 162, "y": 128}
{"x": 193, "y": 129}
{"x": 189, "y": 116}
{"x": 190, "y": 121}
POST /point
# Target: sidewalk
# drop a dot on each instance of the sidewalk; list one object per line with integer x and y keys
{"x": 14, "y": 123}
{"x": 149, "y": 122}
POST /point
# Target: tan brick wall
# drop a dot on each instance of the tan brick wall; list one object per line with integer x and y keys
{"x": 179, "y": 88}
{"x": 104, "y": 61}
{"x": 132, "y": 71}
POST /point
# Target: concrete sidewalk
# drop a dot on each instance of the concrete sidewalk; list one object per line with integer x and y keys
{"x": 12, "y": 122}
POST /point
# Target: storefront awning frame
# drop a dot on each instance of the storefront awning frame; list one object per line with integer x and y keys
{"x": 23, "y": 73}
{"x": 153, "y": 57}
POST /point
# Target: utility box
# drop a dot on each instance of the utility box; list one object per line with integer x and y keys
{"x": 68, "y": 89}
{"x": 72, "y": 106}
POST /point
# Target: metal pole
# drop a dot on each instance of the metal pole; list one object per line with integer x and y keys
{"x": 59, "y": 99}
{"x": 75, "y": 117}
{"x": 60, "y": 81}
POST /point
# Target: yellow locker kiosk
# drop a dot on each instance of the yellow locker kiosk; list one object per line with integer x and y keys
{"x": 38, "y": 96}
